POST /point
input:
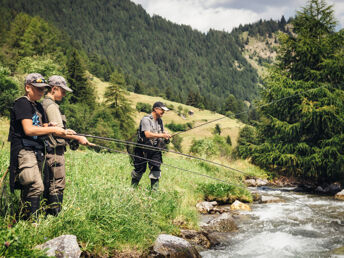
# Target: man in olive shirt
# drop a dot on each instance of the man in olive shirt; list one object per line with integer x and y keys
{"x": 55, "y": 156}
{"x": 150, "y": 132}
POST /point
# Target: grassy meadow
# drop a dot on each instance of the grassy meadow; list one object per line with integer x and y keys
{"x": 106, "y": 214}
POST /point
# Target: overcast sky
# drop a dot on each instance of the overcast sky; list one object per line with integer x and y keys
{"x": 228, "y": 14}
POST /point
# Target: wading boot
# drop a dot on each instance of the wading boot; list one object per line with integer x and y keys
{"x": 31, "y": 207}
{"x": 54, "y": 204}
{"x": 135, "y": 182}
{"x": 154, "y": 184}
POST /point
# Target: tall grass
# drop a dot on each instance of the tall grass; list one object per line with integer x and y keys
{"x": 105, "y": 213}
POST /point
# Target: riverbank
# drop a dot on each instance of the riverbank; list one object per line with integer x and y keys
{"x": 107, "y": 216}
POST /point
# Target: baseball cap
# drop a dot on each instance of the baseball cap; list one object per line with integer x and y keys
{"x": 35, "y": 79}
{"x": 57, "y": 80}
{"x": 160, "y": 105}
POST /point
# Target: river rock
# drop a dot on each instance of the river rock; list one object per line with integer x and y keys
{"x": 340, "y": 195}
{"x": 62, "y": 246}
{"x": 256, "y": 182}
{"x": 196, "y": 237}
{"x": 237, "y": 205}
{"x": 205, "y": 207}
{"x": 174, "y": 247}
{"x": 250, "y": 182}
{"x": 223, "y": 223}
{"x": 334, "y": 188}
{"x": 270, "y": 199}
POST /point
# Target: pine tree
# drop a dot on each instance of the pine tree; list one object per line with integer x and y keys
{"x": 119, "y": 105}
{"x": 302, "y": 131}
{"x": 77, "y": 80}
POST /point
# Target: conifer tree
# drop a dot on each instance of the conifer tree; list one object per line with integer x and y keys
{"x": 76, "y": 77}
{"x": 119, "y": 105}
{"x": 302, "y": 131}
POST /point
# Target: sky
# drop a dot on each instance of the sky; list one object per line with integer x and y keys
{"x": 228, "y": 14}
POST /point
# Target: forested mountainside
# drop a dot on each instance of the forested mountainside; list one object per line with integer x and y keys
{"x": 160, "y": 57}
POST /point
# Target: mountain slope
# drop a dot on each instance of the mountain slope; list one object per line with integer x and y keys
{"x": 171, "y": 60}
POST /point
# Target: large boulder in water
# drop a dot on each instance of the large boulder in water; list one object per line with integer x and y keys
{"x": 62, "y": 246}
{"x": 340, "y": 195}
{"x": 174, "y": 247}
{"x": 237, "y": 205}
{"x": 223, "y": 223}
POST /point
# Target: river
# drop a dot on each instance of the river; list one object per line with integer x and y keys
{"x": 303, "y": 226}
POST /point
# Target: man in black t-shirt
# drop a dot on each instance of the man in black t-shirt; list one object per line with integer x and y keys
{"x": 28, "y": 123}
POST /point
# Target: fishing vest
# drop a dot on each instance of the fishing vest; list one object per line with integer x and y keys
{"x": 54, "y": 141}
{"x": 142, "y": 139}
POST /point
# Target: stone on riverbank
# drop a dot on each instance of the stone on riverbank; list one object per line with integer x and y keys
{"x": 256, "y": 182}
{"x": 237, "y": 205}
{"x": 172, "y": 246}
{"x": 62, "y": 246}
{"x": 205, "y": 207}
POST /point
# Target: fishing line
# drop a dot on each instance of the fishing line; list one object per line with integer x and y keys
{"x": 168, "y": 165}
{"x": 149, "y": 147}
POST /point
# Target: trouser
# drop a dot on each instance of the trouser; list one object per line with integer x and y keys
{"x": 30, "y": 174}
{"x": 56, "y": 172}
{"x": 140, "y": 164}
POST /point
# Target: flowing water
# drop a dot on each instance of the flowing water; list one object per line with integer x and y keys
{"x": 303, "y": 226}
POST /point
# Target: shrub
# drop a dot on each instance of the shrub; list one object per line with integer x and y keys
{"x": 143, "y": 107}
{"x": 226, "y": 193}
{"x": 176, "y": 127}
{"x": 211, "y": 147}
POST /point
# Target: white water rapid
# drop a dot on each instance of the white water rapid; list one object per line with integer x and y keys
{"x": 303, "y": 226}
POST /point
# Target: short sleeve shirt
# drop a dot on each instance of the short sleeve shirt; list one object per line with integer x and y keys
{"x": 148, "y": 123}
{"x": 24, "y": 109}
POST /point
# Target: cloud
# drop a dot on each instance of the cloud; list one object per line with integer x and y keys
{"x": 227, "y": 14}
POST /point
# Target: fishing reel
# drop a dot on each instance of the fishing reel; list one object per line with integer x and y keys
{"x": 73, "y": 145}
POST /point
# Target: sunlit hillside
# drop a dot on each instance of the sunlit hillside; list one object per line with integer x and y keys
{"x": 228, "y": 126}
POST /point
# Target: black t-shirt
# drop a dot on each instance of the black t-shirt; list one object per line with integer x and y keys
{"x": 24, "y": 109}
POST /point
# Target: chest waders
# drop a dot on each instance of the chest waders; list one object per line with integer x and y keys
{"x": 140, "y": 164}
{"x": 37, "y": 149}
{"x": 55, "y": 168}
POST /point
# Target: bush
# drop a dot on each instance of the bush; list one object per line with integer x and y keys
{"x": 143, "y": 107}
{"x": 176, "y": 127}
{"x": 9, "y": 91}
{"x": 225, "y": 193}
{"x": 211, "y": 147}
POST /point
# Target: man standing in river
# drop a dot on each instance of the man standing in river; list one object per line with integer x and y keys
{"x": 150, "y": 133}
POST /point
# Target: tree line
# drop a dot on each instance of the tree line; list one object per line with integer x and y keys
{"x": 158, "y": 57}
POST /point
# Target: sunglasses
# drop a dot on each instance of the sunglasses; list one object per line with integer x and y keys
{"x": 39, "y": 81}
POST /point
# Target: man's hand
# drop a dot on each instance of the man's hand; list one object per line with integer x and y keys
{"x": 166, "y": 136}
{"x": 82, "y": 140}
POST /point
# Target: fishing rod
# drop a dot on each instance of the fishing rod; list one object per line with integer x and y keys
{"x": 168, "y": 165}
{"x": 243, "y": 112}
{"x": 297, "y": 202}
{"x": 149, "y": 147}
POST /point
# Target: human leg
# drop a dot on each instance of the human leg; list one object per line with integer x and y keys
{"x": 57, "y": 180}
{"x": 31, "y": 180}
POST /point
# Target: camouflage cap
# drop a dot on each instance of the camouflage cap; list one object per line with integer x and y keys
{"x": 59, "y": 81}
{"x": 36, "y": 80}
